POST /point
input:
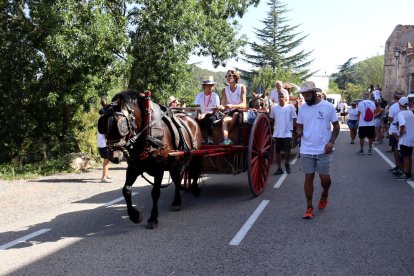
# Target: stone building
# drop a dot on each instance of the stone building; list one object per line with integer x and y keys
{"x": 399, "y": 61}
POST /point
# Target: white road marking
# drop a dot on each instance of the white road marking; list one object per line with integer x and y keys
{"x": 115, "y": 201}
{"x": 386, "y": 159}
{"x": 24, "y": 238}
{"x": 294, "y": 160}
{"x": 411, "y": 183}
{"x": 249, "y": 223}
{"x": 280, "y": 181}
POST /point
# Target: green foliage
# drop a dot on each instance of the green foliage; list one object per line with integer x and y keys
{"x": 60, "y": 56}
{"x": 276, "y": 46}
{"x": 353, "y": 79}
{"x": 267, "y": 77}
{"x": 161, "y": 45}
{"x": 33, "y": 170}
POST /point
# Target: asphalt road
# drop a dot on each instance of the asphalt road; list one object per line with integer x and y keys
{"x": 71, "y": 224}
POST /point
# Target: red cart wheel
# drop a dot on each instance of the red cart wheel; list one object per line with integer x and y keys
{"x": 259, "y": 154}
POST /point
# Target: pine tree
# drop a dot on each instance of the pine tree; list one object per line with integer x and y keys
{"x": 277, "y": 43}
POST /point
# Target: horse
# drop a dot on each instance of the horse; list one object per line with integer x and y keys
{"x": 152, "y": 140}
{"x": 259, "y": 102}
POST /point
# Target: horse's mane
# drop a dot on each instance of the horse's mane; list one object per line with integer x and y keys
{"x": 128, "y": 96}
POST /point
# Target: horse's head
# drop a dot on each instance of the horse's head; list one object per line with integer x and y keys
{"x": 120, "y": 121}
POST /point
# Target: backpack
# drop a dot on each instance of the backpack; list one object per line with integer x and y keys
{"x": 369, "y": 115}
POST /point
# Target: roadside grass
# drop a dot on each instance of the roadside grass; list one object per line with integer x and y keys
{"x": 31, "y": 171}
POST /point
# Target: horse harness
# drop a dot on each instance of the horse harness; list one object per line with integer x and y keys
{"x": 151, "y": 135}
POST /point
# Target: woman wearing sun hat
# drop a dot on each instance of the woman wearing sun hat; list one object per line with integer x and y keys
{"x": 208, "y": 102}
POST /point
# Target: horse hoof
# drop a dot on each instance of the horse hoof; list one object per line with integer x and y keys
{"x": 135, "y": 217}
{"x": 152, "y": 225}
{"x": 175, "y": 208}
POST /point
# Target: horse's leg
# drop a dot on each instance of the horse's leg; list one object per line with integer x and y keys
{"x": 131, "y": 176}
{"x": 195, "y": 172}
{"x": 155, "y": 194}
{"x": 175, "y": 176}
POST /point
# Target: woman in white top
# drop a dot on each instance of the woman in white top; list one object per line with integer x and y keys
{"x": 353, "y": 121}
{"x": 233, "y": 97}
{"x": 208, "y": 101}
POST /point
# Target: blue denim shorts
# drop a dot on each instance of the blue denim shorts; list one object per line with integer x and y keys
{"x": 352, "y": 123}
{"x": 320, "y": 163}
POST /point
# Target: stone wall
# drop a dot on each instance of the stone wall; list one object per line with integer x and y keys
{"x": 399, "y": 73}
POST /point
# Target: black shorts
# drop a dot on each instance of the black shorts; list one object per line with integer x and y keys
{"x": 405, "y": 151}
{"x": 344, "y": 114}
{"x": 366, "y": 132}
{"x": 103, "y": 152}
{"x": 393, "y": 141}
{"x": 283, "y": 144}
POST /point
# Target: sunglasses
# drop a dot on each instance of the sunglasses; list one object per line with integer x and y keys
{"x": 229, "y": 76}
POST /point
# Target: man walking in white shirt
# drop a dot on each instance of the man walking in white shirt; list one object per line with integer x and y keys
{"x": 285, "y": 118}
{"x": 317, "y": 142}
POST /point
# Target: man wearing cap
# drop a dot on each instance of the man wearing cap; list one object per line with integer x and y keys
{"x": 366, "y": 127}
{"x": 317, "y": 142}
{"x": 208, "y": 101}
{"x": 406, "y": 138}
{"x": 393, "y": 129}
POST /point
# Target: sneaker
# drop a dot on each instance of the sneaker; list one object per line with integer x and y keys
{"x": 279, "y": 171}
{"x": 403, "y": 177}
{"x": 203, "y": 141}
{"x": 369, "y": 152}
{"x": 323, "y": 202}
{"x": 287, "y": 166}
{"x": 210, "y": 140}
{"x": 309, "y": 213}
{"x": 105, "y": 180}
{"x": 397, "y": 173}
{"x": 393, "y": 169}
{"x": 360, "y": 152}
{"x": 227, "y": 142}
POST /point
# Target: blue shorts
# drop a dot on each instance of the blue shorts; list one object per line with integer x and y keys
{"x": 378, "y": 123}
{"x": 352, "y": 123}
{"x": 320, "y": 163}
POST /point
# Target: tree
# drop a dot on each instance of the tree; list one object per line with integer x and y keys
{"x": 346, "y": 75}
{"x": 58, "y": 57}
{"x": 161, "y": 45}
{"x": 370, "y": 71}
{"x": 277, "y": 45}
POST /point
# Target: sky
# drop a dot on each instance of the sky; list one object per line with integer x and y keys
{"x": 337, "y": 30}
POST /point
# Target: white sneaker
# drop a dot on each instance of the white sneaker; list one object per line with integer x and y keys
{"x": 105, "y": 180}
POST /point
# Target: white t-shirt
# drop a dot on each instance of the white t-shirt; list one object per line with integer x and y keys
{"x": 353, "y": 113}
{"x": 362, "y": 106}
{"x": 316, "y": 121}
{"x": 342, "y": 107}
{"x": 406, "y": 118}
{"x": 376, "y": 94}
{"x": 101, "y": 140}
{"x": 284, "y": 115}
{"x": 393, "y": 112}
{"x": 206, "y": 103}
{"x": 274, "y": 96}
{"x": 233, "y": 97}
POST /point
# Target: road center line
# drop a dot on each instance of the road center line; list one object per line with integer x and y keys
{"x": 280, "y": 181}
{"x": 249, "y": 223}
{"x": 115, "y": 201}
{"x": 24, "y": 238}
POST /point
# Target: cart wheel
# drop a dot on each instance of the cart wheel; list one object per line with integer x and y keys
{"x": 185, "y": 184}
{"x": 259, "y": 154}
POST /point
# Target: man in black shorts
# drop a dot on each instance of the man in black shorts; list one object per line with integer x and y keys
{"x": 366, "y": 125}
